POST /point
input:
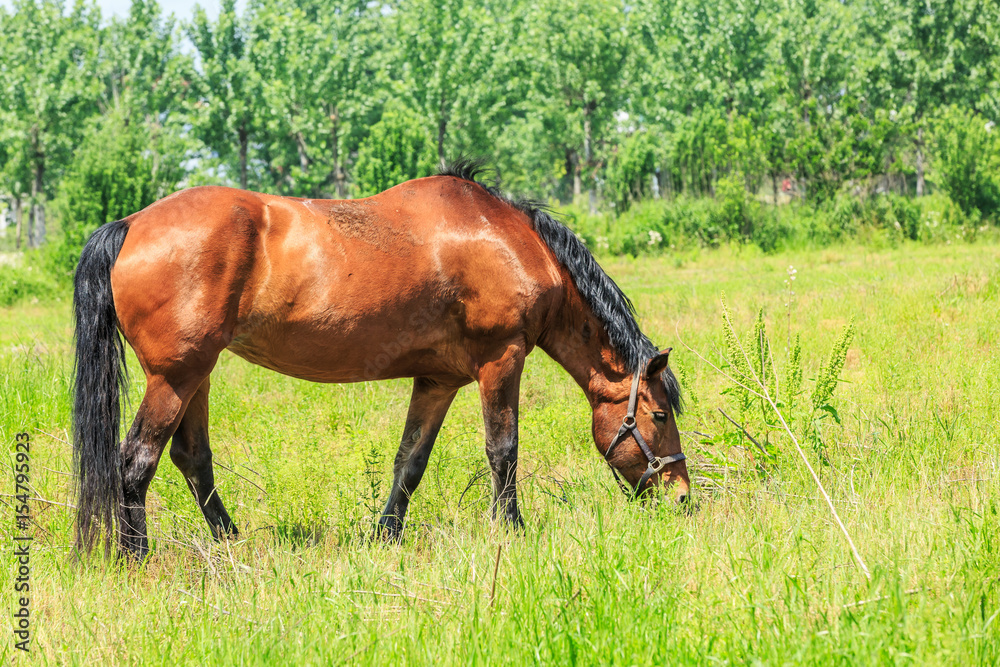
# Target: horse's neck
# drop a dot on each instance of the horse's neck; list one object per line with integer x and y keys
{"x": 577, "y": 340}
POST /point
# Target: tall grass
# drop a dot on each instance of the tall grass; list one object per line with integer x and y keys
{"x": 756, "y": 573}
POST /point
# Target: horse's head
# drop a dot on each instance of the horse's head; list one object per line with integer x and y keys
{"x": 638, "y": 434}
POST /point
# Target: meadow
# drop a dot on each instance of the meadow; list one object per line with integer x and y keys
{"x": 754, "y": 571}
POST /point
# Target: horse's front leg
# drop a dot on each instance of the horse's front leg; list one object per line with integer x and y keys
{"x": 429, "y": 404}
{"x": 499, "y": 387}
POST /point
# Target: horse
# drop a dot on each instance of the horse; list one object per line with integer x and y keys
{"x": 442, "y": 279}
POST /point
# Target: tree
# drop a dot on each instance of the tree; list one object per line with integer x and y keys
{"x": 444, "y": 48}
{"x": 226, "y": 113}
{"x": 50, "y": 88}
{"x": 397, "y": 149}
{"x": 931, "y": 54}
{"x": 582, "y": 78}
{"x": 968, "y": 161}
{"x": 120, "y": 168}
{"x": 319, "y": 68}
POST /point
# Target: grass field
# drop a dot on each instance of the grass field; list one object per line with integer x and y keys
{"x": 756, "y": 573}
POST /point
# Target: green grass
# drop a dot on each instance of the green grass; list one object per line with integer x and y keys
{"x": 757, "y": 573}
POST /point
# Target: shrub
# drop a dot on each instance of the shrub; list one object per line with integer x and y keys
{"x": 120, "y": 168}
{"x": 397, "y": 148}
{"x": 20, "y": 283}
{"x": 967, "y": 161}
{"x": 631, "y": 171}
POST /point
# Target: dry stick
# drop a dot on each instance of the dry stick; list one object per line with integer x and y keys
{"x": 766, "y": 396}
{"x": 859, "y": 603}
{"x": 752, "y": 439}
{"x": 225, "y": 467}
{"x": 57, "y": 438}
{"x": 216, "y": 607}
{"x": 58, "y": 472}
{"x": 41, "y": 500}
{"x": 496, "y": 568}
{"x": 480, "y": 473}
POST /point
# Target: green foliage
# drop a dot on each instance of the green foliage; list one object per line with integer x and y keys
{"x": 734, "y": 109}
{"x": 227, "y": 114}
{"x": 671, "y": 225}
{"x": 758, "y": 398}
{"x": 25, "y": 283}
{"x": 739, "y": 364}
{"x": 829, "y": 373}
{"x": 631, "y": 169}
{"x": 397, "y": 149}
{"x": 733, "y": 213}
{"x": 793, "y": 373}
{"x": 121, "y": 168}
{"x": 374, "y": 474}
{"x": 967, "y": 161}
{"x": 315, "y": 62}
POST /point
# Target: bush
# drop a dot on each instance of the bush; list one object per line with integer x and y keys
{"x": 966, "y": 162}
{"x": 907, "y": 214}
{"x": 654, "y": 225}
{"x": 396, "y": 149}
{"x": 20, "y": 283}
{"x": 630, "y": 172}
{"x": 121, "y": 167}
{"x": 757, "y": 396}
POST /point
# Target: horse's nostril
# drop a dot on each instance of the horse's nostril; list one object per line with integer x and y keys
{"x": 682, "y": 497}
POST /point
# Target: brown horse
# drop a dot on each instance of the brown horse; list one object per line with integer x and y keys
{"x": 441, "y": 279}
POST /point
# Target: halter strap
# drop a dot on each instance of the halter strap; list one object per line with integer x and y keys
{"x": 629, "y": 427}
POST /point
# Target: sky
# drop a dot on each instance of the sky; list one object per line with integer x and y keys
{"x": 181, "y": 8}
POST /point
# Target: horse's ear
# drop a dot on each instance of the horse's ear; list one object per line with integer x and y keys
{"x": 657, "y": 364}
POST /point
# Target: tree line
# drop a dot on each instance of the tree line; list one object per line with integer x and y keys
{"x": 600, "y": 102}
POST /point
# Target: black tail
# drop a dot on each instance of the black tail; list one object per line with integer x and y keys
{"x": 101, "y": 379}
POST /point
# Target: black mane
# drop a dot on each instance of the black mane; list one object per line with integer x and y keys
{"x": 605, "y": 298}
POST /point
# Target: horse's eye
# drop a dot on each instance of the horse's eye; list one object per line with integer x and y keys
{"x": 660, "y": 416}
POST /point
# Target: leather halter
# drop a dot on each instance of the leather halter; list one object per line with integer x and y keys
{"x": 629, "y": 427}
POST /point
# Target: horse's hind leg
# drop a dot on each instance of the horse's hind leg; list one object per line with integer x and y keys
{"x": 429, "y": 404}
{"x": 193, "y": 457}
{"x": 156, "y": 420}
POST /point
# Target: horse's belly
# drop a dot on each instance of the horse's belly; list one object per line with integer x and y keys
{"x": 358, "y": 347}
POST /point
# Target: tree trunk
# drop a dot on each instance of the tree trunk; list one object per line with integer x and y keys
{"x": 588, "y": 159}
{"x": 920, "y": 161}
{"x": 442, "y": 126}
{"x": 338, "y": 169}
{"x": 774, "y": 187}
{"x": 300, "y": 143}
{"x": 18, "y": 219}
{"x": 244, "y": 140}
{"x": 36, "y": 221}
{"x": 577, "y": 183}
{"x": 304, "y": 161}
